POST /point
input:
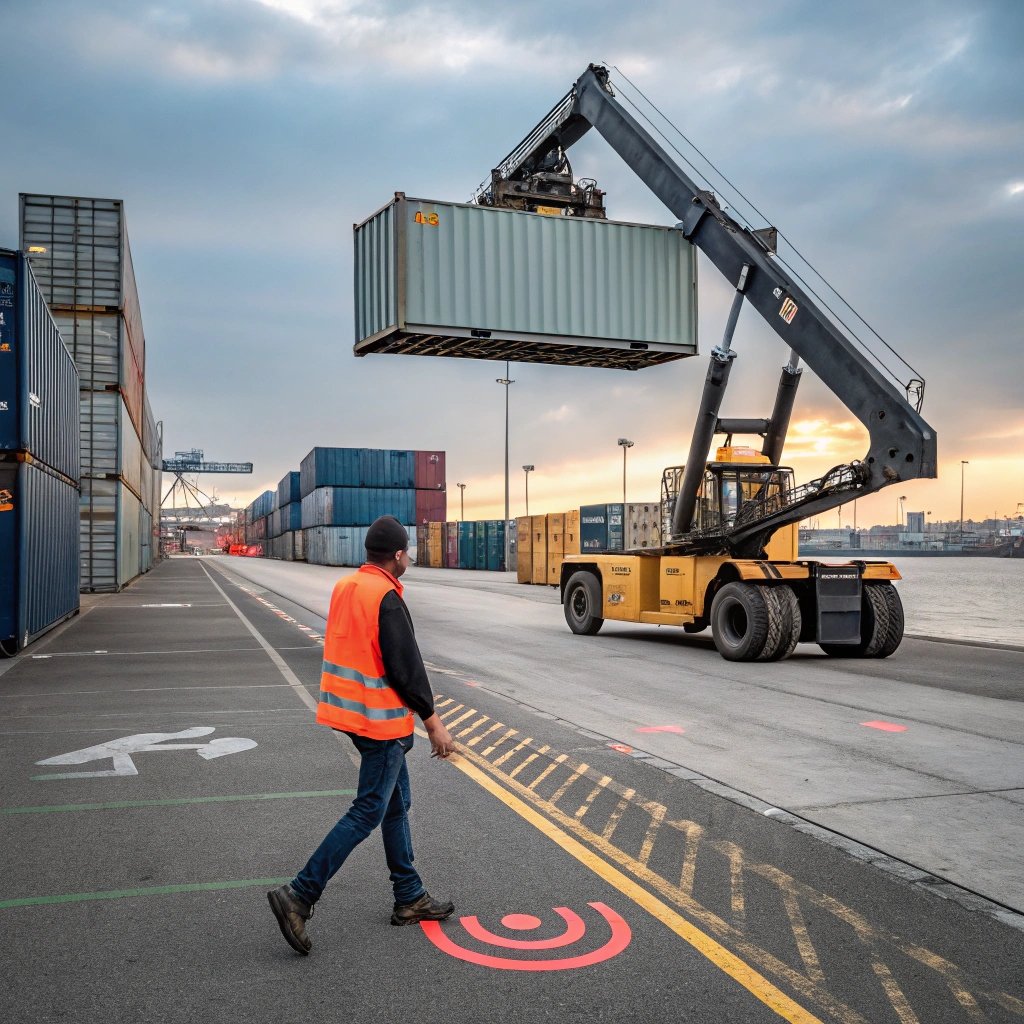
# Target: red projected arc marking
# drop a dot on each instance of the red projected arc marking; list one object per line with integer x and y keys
{"x": 575, "y": 930}
{"x": 619, "y": 940}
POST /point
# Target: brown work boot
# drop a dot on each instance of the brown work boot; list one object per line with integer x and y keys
{"x": 426, "y": 908}
{"x": 292, "y": 914}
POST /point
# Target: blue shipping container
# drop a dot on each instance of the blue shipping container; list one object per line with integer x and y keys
{"x": 38, "y": 552}
{"x": 601, "y": 528}
{"x": 480, "y": 545}
{"x": 38, "y": 378}
{"x": 263, "y": 505}
{"x": 288, "y": 490}
{"x": 357, "y": 506}
{"x": 286, "y": 519}
{"x": 357, "y": 467}
{"x": 467, "y": 545}
{"x": 495, "y": 530}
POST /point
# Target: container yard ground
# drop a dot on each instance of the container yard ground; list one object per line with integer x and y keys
{"x": 132, "y": 897}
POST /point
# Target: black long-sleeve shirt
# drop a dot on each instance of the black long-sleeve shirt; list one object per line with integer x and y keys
{"x": 403, "y": 663}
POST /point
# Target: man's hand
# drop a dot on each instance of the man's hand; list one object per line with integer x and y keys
{"x": 441, "y": 742}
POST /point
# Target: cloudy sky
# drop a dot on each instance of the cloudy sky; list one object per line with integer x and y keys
{"x": 247, "y": 136}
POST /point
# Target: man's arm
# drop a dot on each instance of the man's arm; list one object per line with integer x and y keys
{"x": 406, "y": 674}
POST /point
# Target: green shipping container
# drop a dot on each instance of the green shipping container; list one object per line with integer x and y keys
{"x": 449, "y": 279}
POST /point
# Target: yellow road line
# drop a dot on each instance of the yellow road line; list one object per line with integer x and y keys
{"x": 755, "y": 983}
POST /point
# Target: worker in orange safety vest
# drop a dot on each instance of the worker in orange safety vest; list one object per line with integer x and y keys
{"x": 373, "y": 681}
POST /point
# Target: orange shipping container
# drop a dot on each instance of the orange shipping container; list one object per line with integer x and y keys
{"x": 524, "y": 549}
{"x": 572, "y": 533}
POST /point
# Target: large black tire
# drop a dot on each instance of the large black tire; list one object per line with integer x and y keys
{"x": 881, "y": 624}
{"x": 784, "y": 632}
{"x": 740, "y": 621}
{"x": 582, "y": 605}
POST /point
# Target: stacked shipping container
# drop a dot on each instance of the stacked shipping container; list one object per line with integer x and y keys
{"x": 81, "y": 257}
{"x": 39, "y": 463}
{"x": 468, "y": 545}
{"x": 343, "y": 490}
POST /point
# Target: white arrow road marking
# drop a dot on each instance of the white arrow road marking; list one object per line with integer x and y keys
{"x": 120, "y": 751}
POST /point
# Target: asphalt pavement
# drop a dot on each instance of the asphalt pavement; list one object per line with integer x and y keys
{"x": 161, "y": 769}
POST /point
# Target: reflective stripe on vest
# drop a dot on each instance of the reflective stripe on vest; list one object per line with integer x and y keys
{"x": 355, "y": 695}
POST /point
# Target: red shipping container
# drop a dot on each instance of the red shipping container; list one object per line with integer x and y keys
{"x": 431, "y": 506}
{"x": 429, "y": 471}
{"x": 451, "y": 545}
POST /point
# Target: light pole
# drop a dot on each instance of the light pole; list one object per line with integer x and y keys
{"x": 527, "y": 470}
{"x": 462, "y": 501}
{"x": 963, "y": 462}
{"x": 506, "y": 382}
{"x": 626, "y": 443}
{"x": 899, "y": 509}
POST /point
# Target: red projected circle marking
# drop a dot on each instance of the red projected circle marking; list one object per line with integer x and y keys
{"x": 520, "y": 922}
{"x": 575, "y": 929}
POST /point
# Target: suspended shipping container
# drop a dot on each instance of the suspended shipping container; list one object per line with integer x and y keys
{"x": 38, "y": 379}
{"x": 357, "y": 506}
{"x": 447, "y": 279}
{"x": 38, "y": 551}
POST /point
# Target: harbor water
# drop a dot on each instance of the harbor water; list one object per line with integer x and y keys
{"x": 964, "y": 598}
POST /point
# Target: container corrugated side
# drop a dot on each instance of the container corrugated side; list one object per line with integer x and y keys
{"x": 110, "y": 445}
{"x": 335, "y": 545}
{"x": 431, "y": 506}
{"x": 485, "y": 283}
{"x": 289, "y": 488}
{"x": 129, "y": 543}
{"x": 83, "y": 258}
{"x": 495, "y": 559}
{"x": 38, "y": 552}
{"x": 467, "y": 545}
{"x": 357, "y": 506}
{"x": 430, "y": 471}
{"x": 38, "y": 378}
{"x": 601, "y": 528}
{"x": 98, "y": 535}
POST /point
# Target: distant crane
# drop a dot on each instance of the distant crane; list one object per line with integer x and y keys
{"x": 207, "y": 513}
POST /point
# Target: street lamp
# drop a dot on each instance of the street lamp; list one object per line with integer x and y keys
{"x": 963, "y": 462}
{"x": 462, "y": 501}
{"x": 626, "y": 443}
{"x": 506, "y": 382}
{"x": 527, "y": 470}
{"x": 899, "y": 509}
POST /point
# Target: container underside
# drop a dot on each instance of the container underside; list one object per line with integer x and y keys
{"x": 617, "y": 355}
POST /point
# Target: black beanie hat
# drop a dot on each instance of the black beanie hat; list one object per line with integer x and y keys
{"x": 385, "y": 536}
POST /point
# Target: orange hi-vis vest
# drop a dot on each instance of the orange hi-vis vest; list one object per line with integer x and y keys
{"x": 354, "y": 692}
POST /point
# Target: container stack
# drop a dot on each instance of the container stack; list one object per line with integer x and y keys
{"x": 39, "y": 463}
{"x": 80, "y": 255}
{"x": 543, "y": 542}
{"x": 617, "y": 527}
{"x": 478, "y": 544}
{"x": 343, "y": 490}
{"x": 284, "y": 525}
{"x": 257, "y": 521}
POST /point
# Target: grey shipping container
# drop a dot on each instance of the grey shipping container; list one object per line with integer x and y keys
{"x": 110, "y": 445}
{"x": 38, "y": 552}
{"x": 80, "y": 253}
{"x": 335, "y": 545}
{"x": 642, "y": 525}
{"x": 111, "y": 545}
{"x": 447, "y": 279}
{"x": 38, "y": 379}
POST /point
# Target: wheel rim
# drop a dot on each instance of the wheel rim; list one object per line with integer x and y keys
{"x": 735, "y": 622}
{"x": 579, "y": 603}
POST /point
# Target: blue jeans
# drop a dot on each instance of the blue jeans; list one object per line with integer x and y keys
{"x": 383, "y": 799}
